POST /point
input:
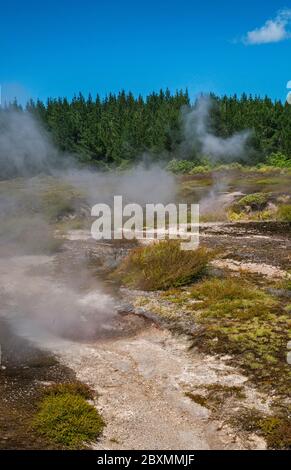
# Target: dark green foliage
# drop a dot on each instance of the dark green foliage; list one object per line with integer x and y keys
{"x": 114, "y": 130}
{"x": 118, "y": 129}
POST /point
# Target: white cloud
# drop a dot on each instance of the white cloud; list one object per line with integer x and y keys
{"x": 289, "y": 84}
{"x": 274, "y": 30}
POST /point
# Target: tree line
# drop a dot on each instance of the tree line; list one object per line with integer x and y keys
{"x": 117, "y": 129}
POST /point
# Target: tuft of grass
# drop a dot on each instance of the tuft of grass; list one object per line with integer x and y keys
{"x": 66, "y": 418}
{"x": 162, "y": 265}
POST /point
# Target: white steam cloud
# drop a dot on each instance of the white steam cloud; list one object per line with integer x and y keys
{"x": 25, "y": 148}
{"x": 32, "y": 168}
{"x": 198, "y": 135}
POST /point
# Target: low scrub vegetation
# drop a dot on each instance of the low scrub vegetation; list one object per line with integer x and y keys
{"x": 162, "y": 265}
{"x": 284, "y": 213}
{"x": 255, "y": 202}
{"x": 66, "y": 418}
{"x": 253, "y": 207}
{"x": 238, "y": 318}
{"x": 276, "y": 163}
{"x": 228, "y": 298}
{"x": 279, "y": 159}
{"x": 59, "y": 200}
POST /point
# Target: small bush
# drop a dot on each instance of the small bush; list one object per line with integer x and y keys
{"x": 255, "y": 202}
{"x": 197, "y": 398}
{"x": 162, "y": 265}
{"x": 181, "y": 166}
{"x": 279, "y": 160}
{"x": 229, "y": 167}
{"x": 68, "y": 419}
{"x": 200, "y": 170}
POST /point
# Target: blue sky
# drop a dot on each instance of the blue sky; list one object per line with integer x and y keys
{"x": 59, "y": 48}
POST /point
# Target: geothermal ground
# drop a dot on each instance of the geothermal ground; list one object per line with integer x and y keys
{"x": 158, "y": 380}
{"x": 142, "y": 373}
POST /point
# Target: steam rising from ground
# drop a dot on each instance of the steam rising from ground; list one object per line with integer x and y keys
{"x": 27, "y": 152}
{"x": 31, "y": 294}
{"x": 25, "y": 148}
{"x": 197, "y": 134}
{"x": 33, "y": 299}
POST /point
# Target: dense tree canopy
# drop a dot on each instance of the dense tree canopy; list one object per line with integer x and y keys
{"x": 120, "y": 128}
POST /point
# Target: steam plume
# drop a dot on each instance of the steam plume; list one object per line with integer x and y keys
{"x": 198, "y": 135}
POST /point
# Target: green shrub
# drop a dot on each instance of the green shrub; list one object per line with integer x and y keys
{"x": 200, "y": 169}
{"x": 162, "y": 265}
{"x": 180, "y": 166}
{"x": 284, "y": 213}
{"x": 229, "y": 167}
{"x": 68, "y": 419}
{"x": 279, "y": 160}
{"x": 256, "y": 202}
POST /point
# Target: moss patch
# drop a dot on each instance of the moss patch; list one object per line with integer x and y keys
{"x": 234, "y": 317}
{"x": 239, "y": 319}
{"x": 276, "y": 430}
